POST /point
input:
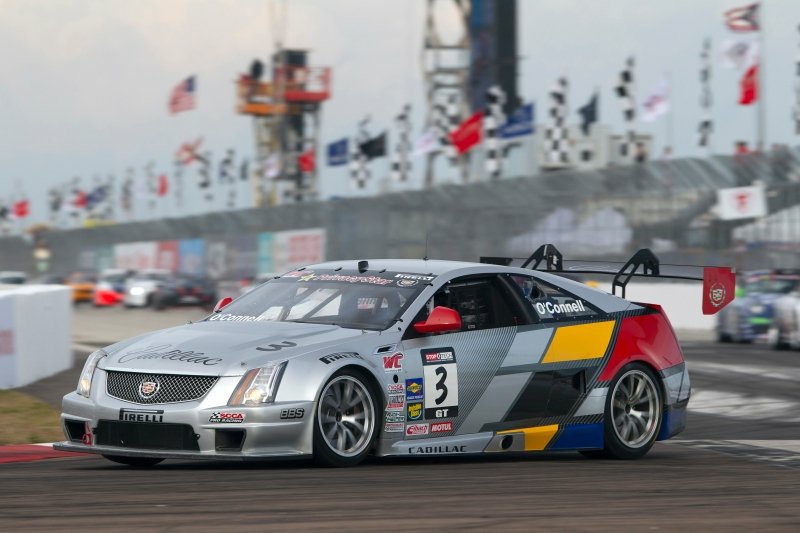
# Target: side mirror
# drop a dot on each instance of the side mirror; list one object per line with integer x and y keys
{"x": 222, "y": 303}
{"x": 441, "y": 320}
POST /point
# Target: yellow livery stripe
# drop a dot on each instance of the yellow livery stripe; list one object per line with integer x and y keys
{"x": 573, "y": 343}
{"x": 536, "y": 438}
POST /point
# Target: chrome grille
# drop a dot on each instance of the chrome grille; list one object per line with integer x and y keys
{"x": 171, "y": 388}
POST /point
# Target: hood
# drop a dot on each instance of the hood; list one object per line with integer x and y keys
{"x": 222, "y": 348}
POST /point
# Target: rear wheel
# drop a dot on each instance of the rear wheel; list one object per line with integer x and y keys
{"x": 346, "y": 423}
{"x": 139, "y": 462}
{"x": 634, "y": 408}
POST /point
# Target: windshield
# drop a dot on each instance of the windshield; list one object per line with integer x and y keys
{"x": 772, "y": 285}
{"x": 343, "y": 298}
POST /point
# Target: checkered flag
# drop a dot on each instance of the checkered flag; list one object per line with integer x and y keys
{"x": 555, "y": 137}
{"x": 706, "y": 126}
{"x": 446, "y": 118}
{"x": 625, "y": 93}
{"x": 401, "y": 158}
{"x": 493, "y": 118}
{"x": 797, "y": 93}
{"x": 359, "y": 173}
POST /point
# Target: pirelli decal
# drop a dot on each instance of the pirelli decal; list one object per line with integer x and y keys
{"x": 575, "y": 343}
{"x": 536, "y": 438}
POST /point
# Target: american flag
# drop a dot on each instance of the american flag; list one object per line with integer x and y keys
{"x": 182, "y": 97}
{"x": 743, "y": 19}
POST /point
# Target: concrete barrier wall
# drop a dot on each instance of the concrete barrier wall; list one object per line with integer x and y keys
{"x": 35, "y": 333}
{"x": 682, "y": 302}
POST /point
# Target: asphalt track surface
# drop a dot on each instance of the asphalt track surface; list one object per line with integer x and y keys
{"x": 737, "y": 466}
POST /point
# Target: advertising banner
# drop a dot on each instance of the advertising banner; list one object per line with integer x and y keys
{"x": 135, "y": 255}
{"x": 167, "y": 255}
{"x": 300, "y": 247}
{"x": 192, "y": 256}
{"x": 8, "y": 370}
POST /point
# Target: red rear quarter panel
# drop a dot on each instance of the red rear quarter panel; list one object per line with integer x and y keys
{"x": 649, "y": 338}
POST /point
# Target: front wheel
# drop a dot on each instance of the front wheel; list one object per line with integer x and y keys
{"x": 346, "y": 423}
{"x": 634, "y": 408}
{"x": 138, "y": 462}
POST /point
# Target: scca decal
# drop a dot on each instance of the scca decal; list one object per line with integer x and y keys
{"x": 226, "y": 418}
{"x": 417, "y": 450}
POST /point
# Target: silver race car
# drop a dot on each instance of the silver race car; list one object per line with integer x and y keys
{"x": 391, "y": 357}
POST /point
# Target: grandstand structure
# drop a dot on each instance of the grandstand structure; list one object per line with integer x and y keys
{"x": 668, "y": 206}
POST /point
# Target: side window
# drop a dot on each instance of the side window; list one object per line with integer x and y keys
{"x": 482, "y": 302}
{"x": 549, "y": 303}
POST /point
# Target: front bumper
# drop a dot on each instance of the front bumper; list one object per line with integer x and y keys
{"x": 262, "y": 432}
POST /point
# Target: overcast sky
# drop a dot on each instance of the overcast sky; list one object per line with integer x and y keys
{"x": 85, "y": 83}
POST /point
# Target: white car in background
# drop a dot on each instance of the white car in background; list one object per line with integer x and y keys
{"x": 8, "y": 277}
{"x": 140, "y": 289}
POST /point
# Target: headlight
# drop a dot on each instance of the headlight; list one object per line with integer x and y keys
{"x": 757, "y": 309}
{"x": 137, "y": 291}
{"x": 85, "y": 382}
{"x": 258, "y": 386}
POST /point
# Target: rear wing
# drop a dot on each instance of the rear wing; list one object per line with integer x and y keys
{"x": 719, "y": 283}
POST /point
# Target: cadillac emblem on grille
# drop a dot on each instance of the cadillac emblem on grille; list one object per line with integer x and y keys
{"x": 148, "y": 389}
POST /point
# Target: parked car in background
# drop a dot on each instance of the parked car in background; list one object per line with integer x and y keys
{"x": 9, "y": 277}
{"x": 110, "y": 288}
{"x": 750, "y": 316}
{"x": 82, "y": 284}
{"x": 140, "y": 288}
{"x": 184, "y": 289}
{"x": 51, "y": 279}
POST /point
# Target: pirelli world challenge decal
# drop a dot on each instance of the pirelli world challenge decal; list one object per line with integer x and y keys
{"x": 440, "y": 378}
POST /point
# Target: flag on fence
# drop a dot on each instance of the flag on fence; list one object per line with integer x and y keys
{"x": 657, "y": 102}
{"x": 743, "y": 19}
{"x": 748, "y": 87}
{"x": 519, "y": 123}
{"x": 468, "y": 133}
{"x": 163, "y": 185}
{"x": 307, "y": 161}
{"x": 272, "y": 166}
{"x": 738, "y": 53}
{"x": 182, "y": 97}
{"x": 337, "y": 153}
{"x": 588, "y": 114}
{"x": 375, "y": 147}
{"x": 21, "y": 209}
{"x": 426, "y": 143}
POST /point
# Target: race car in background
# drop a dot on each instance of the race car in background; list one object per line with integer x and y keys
{"x": 399, "y": 358}
{"x": 786, "y": 321}
{"x": 750, "y": 317}
{"x": 82, "y": 284}
{"x": 183, "y": 289}
{"x": 140, "y": 289}
{"x": 110, "y": 287}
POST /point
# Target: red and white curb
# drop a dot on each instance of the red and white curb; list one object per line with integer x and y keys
{"x": 22, "y": 453}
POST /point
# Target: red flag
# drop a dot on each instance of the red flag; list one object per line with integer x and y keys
{"x": 21, "y": 209}
{"x": 80, "y": 200}
{"x": 719, "y": 286}
{"x": 748, "y": 87}
{"x": 163, "y": 185}
{"x": 468, "y": 134}
{"x": 307, "y": 161}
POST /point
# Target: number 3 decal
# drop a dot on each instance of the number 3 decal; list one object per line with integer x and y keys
{"x": 440, "y": 371}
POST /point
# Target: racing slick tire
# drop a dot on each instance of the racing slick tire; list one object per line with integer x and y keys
{"x": 138, "y": 462}
{"x": 633, "y": 414}
{"x": 346, "y": 421}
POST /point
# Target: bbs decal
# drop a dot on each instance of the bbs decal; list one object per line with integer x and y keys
{"x": 288, "y": 414}
{"x": 440, "y": 379}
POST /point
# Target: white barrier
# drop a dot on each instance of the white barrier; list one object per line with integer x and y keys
{"x": 682, "y": 302}
{"x": 35, "y": 333}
